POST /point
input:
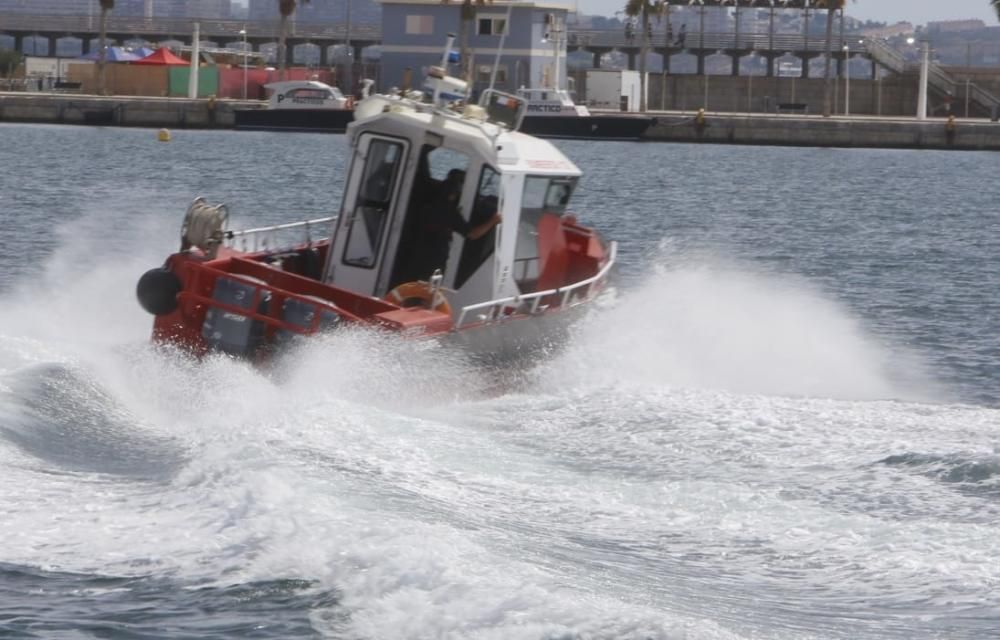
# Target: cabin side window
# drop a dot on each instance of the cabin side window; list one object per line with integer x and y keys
{"x": 372, "y": 203}
{"x": 305, "y": 96}
{"x": 487, "y": 203}
{"x": 542, "y": 196}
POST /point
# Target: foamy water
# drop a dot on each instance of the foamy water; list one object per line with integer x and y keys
{"x": 724, "y": 450}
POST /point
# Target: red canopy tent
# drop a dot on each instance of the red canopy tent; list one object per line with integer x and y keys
{"x": 162, "y": 55}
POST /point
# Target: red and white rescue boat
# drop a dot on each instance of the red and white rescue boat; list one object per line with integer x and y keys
{"x": 497, "y": 291}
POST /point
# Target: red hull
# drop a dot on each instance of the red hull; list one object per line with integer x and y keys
{"x": 247, "y": 304}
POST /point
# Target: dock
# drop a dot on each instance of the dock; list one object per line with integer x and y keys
{"x": 792, "y": 129}
{"x": 785, "y": 129}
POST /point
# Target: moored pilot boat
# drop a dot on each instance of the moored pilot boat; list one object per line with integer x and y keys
{"x": 299, "y": 105}
{"x": 552, "y": 113}
{"x": 512, "y": 268}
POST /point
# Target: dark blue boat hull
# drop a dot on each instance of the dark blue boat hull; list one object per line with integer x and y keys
{"x": 306, "y": 120}
{"x": 592, "y": 127}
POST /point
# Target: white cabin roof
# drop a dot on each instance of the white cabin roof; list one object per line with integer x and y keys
{"x": 507, "y": 151}
{"x": 288, "y": 85}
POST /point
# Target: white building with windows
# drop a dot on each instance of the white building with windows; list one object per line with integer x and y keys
{"x": 414, "y": 33}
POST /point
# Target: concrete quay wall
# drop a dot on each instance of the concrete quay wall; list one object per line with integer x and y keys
{"x": 722, "y": 128}
{"x": 816, "y": 131}
{"x": 124, "y": 111}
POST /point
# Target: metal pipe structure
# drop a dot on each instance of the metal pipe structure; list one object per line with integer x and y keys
{"x": 243, "y": 32}
{"x": 195, "y": 55}
{"x": 349, "y": 76}
{"x": 925, "y": 56}
{"x": 847, "y": 80}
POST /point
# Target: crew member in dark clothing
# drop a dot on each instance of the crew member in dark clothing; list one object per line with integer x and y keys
{"x": 438, "y": 220}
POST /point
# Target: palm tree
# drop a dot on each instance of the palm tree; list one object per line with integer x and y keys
{"x": 106, "y": 7}
{"x": 287, "y": 8}
{"x": 643, "y": 9}
{"x": 996, "y": 6}
{"x": 467, "y": 18}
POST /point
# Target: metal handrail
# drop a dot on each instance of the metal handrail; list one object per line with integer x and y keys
{"x": 982, "y": 96}
{"x": 721, "y": 40}
{"x": 260, "y": 231}
{"x": 885, "y": 55}
{"x": 536, "y": 297}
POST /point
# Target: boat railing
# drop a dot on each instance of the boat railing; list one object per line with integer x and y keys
{"x": 277, "y": 236}
{"x": 532, "y": 303}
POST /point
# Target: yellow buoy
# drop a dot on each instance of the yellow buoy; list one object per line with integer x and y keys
{"x": 164, "y": 135}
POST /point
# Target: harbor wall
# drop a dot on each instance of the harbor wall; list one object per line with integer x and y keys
{"x": 722, "y": 128}
{"x": 816, "y": 131}
{"x": 124, "y": 111}
{"x": 894, "y": 95}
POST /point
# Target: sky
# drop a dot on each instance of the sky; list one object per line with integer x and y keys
{"x": 891, "y": 11}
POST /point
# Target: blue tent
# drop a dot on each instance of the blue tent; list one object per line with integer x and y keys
{"x": 143, "y": 52}
{"x": 114, "y": 54}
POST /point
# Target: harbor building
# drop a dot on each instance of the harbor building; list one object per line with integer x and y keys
{"x": 532, "y": 34}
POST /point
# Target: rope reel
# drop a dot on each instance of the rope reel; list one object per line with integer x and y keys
{"x": 204, "y": 227}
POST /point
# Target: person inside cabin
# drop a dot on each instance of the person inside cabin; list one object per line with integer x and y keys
{"x": 437, "y": 221}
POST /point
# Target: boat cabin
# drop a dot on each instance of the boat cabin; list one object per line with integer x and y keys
{"x": 551, "y": 102}
{"x": 423, "y": 189}
{"x": 304, "y": 94}
{"x": 452, "y": 223}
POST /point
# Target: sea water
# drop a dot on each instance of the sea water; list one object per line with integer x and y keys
{"x": 782, "y": 423}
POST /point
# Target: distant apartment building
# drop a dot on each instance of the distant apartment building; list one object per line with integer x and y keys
{"x": 51, "y": 7}
{"x": 898, "y": 29}
{"x": 209, "y": 9}
{"x": 955, "y": 26}
{"x": 715, "y": 19}
{"x": 320, "y": 11}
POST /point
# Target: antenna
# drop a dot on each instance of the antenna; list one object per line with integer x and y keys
{"x": 447, "y": 51}
{"x": 503, "y": 36}
{"x": 445, "y": 57}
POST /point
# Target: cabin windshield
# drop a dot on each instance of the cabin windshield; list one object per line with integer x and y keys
{"x": 431, "y": 215}
{"x": 543, "y": 196}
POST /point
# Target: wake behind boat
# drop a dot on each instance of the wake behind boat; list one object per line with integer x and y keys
{"x": 453, "y": 225}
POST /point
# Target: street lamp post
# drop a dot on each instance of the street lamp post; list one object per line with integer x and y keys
{"x": 243, "y": 32}
{"x": 349, "y": 79}
{"x": 924, "y": 64}
{"x": 847, "y": 80}
{"x": 925, "y": 56}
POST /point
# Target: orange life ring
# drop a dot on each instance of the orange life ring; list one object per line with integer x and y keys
{"x": 416, "y": 293}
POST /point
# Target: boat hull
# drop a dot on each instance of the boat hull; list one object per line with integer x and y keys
{"x": 521, "y": 340}
{"x": 592, "y": 127}
{"x": 305, "y": 120}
